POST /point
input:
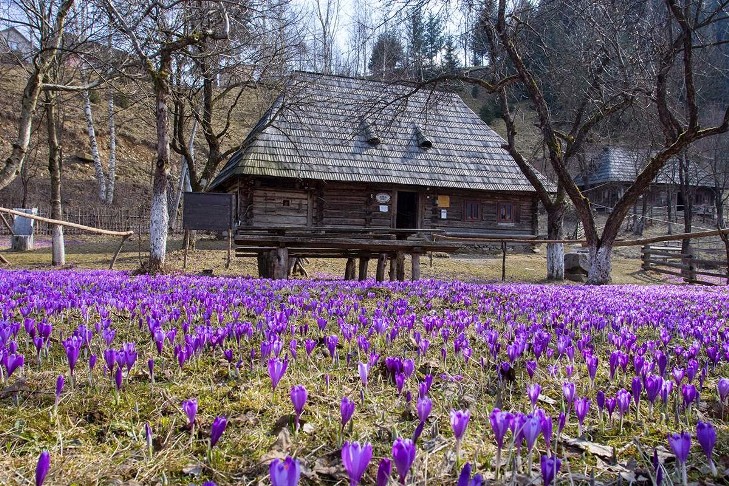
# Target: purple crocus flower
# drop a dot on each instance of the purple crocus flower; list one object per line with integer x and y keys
{"x": 14, "y": 361}
{"x": 722, "y": 387}
{"x": 298, "y": 399}
{"x": 364, "y": 371}
{"x": 465, "y": 479}
{"x": 533, "y": 392}
{"x": 680, "y": 444}
{"x": 423, "y": 407}
{"x": 653, "y": 384}
{"x": 531, "y": 367}
{"x": 41, "y": 469}
{"x": 546, "y": 427}
{"x": 600, "y": 401}
{"x": 150, "y": 366}
{"x": 459, "y": 422}
{"x": 346, "y": 409}
{"x": 500, "y": 423}
{"x": 72, "y": 346}
{"x": 636, "y": 387}
{"x": 217, "y": 429}
{"x": 384, "y": 469}
{"x": 531, "y": 428}
{"x": 276, "y": 370}
{"x": 118, "y": 378}
{"x": 550, "y": 466}
{"x": 356, "y": 458}
{"x": 60, "y": 381}
{"x": 689, "y": 394}
{"x": 582, "y": 406}
{"x": 284, "y": 472}
{"x": 568, "y": 390}
{"x": 706, "y": 435}
{"x": 403, "y": 454}
{"x": 190, "y": 409}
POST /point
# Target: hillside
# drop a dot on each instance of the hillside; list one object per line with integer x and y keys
{"x": 135, "y": 144}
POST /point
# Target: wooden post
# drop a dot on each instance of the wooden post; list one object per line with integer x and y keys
{"x": 503, "y": 261}
{"x": 280, "y": 263}
{"x": 363, "y": 262}
{"x": 263, "y": 265}
{"x": 400, "y": 266}
{"x": 186, "y": 245}
{"x": 381, "y": 264}
{"x": 393, "y": 268}
{"x": 645, "y": 254}
{"x": 689, "y": 269}
{"x": 416, "y": 266}
{"x": 230, "y": 248}
{"x": 118, "y": 250}
{"x": 349, "y": 268}
{"x": 7, "y": 225}
{"x": 4, "y": 260}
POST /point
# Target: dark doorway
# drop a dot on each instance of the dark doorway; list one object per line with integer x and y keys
{"x": 407, "y": 210}
{"x": 679, "y": 202}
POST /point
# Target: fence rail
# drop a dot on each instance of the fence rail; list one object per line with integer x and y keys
{"x": 111, "y": 219}
{"x": 669, "y": 260}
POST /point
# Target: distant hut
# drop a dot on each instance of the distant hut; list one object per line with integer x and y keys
{"x": 335, "y": 151}
{"x": 612, "y": 170}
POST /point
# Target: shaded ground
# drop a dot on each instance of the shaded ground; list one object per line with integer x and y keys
{"x": 477, "y": 266}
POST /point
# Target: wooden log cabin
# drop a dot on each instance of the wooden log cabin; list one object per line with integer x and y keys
{"x": 339, "y": 153}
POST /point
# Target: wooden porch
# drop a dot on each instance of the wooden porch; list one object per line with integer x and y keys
{"x": 277, "y": 249}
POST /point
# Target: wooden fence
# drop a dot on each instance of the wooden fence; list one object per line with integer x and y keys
{"x": 669, "y": 260}
{"x": 110, "y": 219}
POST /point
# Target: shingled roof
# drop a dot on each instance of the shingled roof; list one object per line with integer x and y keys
{"x": 622, "y": 165}
{"x": 336, "y": 128}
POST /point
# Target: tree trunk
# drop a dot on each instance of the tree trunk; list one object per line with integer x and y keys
{"x": 54, "y": 169}
{"x": 600, "y": 265}
{"x": 15, "y": 161}
{"x": 111, "y": 177}
{"x": 555, "y": 251}
{"x": 94, "y": 147}
{"x": 159, "y": 216}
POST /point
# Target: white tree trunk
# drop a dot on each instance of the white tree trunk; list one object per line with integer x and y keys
{"x": 111, "y": 177}
{"x": 555, "y": 261}
{"x": 58, "y": 247}
{"x": 98, "y": 167}
{"x": 600, "y": 265}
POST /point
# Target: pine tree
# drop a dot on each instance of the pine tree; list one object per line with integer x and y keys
{"x": 433, "y": 43}
{"x": 450, "y": 64}
{"x": 416, "y": 44}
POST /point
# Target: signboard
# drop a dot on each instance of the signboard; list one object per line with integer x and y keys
{"x": 444, "y": 201}
{"x": 382, "y": 197}
{"x": 208, "y": 211}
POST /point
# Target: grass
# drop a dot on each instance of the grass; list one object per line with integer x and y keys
{"x": 96, "y": 436}
{"x": 211, "y": 255}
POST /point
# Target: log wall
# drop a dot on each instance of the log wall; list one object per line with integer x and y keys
{"x": 317, "y": 203}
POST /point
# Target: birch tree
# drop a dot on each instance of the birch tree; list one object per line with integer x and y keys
{"x": 47, "y": 20}
{"x": 157, "y": 31}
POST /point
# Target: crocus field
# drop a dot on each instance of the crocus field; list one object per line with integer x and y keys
{"x": 107, "y": 378}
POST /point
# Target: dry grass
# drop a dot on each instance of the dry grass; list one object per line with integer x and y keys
{"x": 479, "y": 266}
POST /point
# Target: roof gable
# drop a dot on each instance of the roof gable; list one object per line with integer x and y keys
{"x": 345, "y": 129}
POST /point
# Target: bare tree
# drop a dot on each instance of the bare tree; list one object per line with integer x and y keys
{"x": 614, "y": 77}
{"x": 47, "y": 20}
{"x": 156, "y": 33}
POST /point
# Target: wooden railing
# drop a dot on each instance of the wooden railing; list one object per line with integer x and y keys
{"x": 669, "y": 260}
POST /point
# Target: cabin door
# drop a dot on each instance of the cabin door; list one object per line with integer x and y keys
{"x": 406, "y": 215}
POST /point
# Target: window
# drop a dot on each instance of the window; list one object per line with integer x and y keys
{"x": 471, "y": 211}
{"x": 505, "y": 213}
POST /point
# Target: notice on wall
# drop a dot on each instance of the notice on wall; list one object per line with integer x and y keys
{"x": 384, "y": 208}
{"x": 443, "y": 214}
{"x": 444, "y": 201}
